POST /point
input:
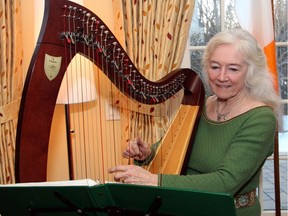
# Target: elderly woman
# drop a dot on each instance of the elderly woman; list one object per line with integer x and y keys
{"x": 236, "y": 130}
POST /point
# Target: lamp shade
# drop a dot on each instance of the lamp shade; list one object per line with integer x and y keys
{"x": 78, "y": 85}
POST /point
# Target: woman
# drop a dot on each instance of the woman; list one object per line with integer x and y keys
{"x": 236, "y": 130}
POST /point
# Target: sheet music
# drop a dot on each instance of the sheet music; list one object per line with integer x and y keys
{"x": 81, "y": 182}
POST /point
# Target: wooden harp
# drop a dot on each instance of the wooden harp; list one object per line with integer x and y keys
{"x": 88, "y": 32}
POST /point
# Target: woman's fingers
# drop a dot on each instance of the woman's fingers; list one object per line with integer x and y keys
{"x": 119, "y": 172}
{"x": 133, "y": 175}
{"x": 119, "y": 168}
{"x": 132, "y": 150}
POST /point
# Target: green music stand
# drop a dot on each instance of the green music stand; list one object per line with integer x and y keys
{"x": 111, "y": 199}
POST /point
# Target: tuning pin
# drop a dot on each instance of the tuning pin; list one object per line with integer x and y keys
{"x": 67, "y": 38}
{"x": 130, "y": 83}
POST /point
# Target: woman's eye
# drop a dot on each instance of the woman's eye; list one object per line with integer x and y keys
{"x": 214, "y": 67}
{"x": 233, "y": 69}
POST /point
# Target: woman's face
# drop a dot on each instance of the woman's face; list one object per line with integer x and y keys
{"x": 226, "y": 72}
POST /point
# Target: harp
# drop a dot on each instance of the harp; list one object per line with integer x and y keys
{"x": 69, "y": 27}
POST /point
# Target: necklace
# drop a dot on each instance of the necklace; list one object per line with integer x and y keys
{"x": 221, "y": 116}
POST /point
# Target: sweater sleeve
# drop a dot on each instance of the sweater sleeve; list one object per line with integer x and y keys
{"x": 240, "y": 167}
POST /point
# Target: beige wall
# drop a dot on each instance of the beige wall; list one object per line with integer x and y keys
{"x": 32, "y": 12}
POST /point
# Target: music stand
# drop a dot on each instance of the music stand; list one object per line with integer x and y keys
{"x": 111, "y": 199}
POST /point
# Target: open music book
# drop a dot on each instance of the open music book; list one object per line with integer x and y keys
{"x": 80, "y": 182}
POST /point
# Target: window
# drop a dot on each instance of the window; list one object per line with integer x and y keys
{"x": 212, "y": 16}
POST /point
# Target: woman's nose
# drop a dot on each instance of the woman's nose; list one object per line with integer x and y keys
{"x": 222, "y": 76}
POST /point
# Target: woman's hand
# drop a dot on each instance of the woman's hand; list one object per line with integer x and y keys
{"x": 137, "y": 149}
{"x": 133, "y": 174}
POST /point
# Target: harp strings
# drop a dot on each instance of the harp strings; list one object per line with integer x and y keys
{"x": 97, "y": 148}
{"x": 81, "y": 95}
{"x": 92, "y": 156}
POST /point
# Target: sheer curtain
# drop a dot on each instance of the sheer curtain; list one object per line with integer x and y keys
{"x": 11, "y": 81}
{"x": 154, "y": 34}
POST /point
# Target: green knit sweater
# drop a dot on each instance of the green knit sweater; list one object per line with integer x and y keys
{"x": 227, "y": 156}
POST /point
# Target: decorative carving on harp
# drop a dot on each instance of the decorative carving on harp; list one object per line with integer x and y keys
{"x": 70, "y": 28}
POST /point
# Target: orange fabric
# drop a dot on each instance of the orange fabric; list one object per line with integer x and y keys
{"x": 257, "y": 18}
{"x": 270, "y": 51}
